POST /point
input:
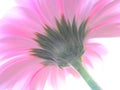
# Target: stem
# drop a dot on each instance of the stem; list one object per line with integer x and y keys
{"x": 79, "y": 67}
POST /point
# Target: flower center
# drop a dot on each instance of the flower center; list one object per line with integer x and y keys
{"x": 62, "y": 45}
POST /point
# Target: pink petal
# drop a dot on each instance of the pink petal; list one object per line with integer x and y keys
{"x": 87, "y": 62}
{"x": 72, "y": 71}
{"x": 11, "y": 43}
{"x": 98, "y": 6}
{"x": 15, "y": 70}
{"x": 22, "y": 27}
{"x": 84, "y": 7}
{"x": 108, "y": 30}
{"x": 40, "y": 78}
{"x": 47, "y": 10}
{"x": 93, "y": 52}
{"x": 106, "y": 11}
{"x": 14, "y": 46}
{"x": 56, "y": 77}
{"x": 69, "y": 9}
{"x": 105, "y": 21}
{"x": 51, "y": 76}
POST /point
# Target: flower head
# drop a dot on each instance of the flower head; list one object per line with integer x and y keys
{"x": 61, "y": 46}
{"x": 43, "y": 41}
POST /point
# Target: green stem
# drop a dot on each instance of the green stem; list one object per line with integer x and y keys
{"x": 79, "y": 67}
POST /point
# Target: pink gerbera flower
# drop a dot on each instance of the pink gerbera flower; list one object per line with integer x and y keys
{"x": 43, "y": 41}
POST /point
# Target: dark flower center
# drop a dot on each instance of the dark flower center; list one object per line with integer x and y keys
{"x": 62, "y": 45}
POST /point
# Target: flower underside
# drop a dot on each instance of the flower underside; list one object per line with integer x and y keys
{"x": 63, "y": 45}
